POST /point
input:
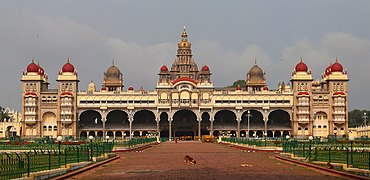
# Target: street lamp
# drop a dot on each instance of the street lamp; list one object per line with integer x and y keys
{"x": 59, "y": 139}
{"x": 310, "y": 153}
{"x": 107, "y": 138}
{"x": 265, "y": 137}
{"x": 365, "y": 118}
{"x": 91, "y": 149}
{"x": 248, "y": 116}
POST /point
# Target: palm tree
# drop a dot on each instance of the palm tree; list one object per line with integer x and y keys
{"x": 3, "y": 115}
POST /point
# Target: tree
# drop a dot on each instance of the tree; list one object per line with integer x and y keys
{"x": 241, "y": 83}
{"x": 3, "y": 115}
{"x": 355, "y": 118}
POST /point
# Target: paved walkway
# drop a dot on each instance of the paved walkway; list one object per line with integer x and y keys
{"x": 214, "y": 161}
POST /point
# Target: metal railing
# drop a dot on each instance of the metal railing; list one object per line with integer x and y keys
{"x": 352, "y": 153}
{"x": 21, "y": 164}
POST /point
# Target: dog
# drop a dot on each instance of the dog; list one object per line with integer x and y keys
{"x": 329, "y": 166}
{"x": 187, "y": 159}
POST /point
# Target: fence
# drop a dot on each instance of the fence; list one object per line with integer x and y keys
{"x": 21, "y": 164}
{"x": 251, "y": 142}
{"x": 352, "y": 153}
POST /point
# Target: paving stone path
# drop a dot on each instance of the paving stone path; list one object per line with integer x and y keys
{"x": 214, "y": 161}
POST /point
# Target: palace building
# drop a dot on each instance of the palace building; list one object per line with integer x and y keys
{"x": 185, "y": 103}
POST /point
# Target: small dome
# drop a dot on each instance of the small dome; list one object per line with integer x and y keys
{"x": 91, "y": 87}
{"x": 41, "y": 71}
{"x": 103, "y": 88}
{"x": 164, "y": 68}
{"x": 113, "y": 73}
{"x": 301, "y": 67}
{"x": 130, "y": 88}
{"x": 238, "y": 88}
{"x": 68, "y": 67}
{"x": 337, "y": 67}
{"x": 32, "y": 67}
{"x": 265, "y": 88}
{"x": 328, "y": 70}
{"x": 205, "y": 68}
{"x": 256, "y": 72}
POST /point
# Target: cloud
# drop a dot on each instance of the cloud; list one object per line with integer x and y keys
{"x": 51, "y": 40}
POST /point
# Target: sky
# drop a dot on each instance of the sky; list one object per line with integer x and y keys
{"x": 141, "y": 36}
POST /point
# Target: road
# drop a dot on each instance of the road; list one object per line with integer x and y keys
{"x": 214, "y": 161}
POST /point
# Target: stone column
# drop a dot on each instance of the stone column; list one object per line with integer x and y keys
{"x": 211, "y": 131}
{"x": 130, "y": 121}
{"x": 199, "y": 128}
{"x": 238, "y": 131}
{"x": 158, "y": 131}
{"x": 169, "y": 128}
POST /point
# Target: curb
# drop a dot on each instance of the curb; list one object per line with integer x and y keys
{"x": 247, "y": 148}
{"x": 72, "y": 173}
{"x": 137, "y": 148}
{"x": 344, "y": 174}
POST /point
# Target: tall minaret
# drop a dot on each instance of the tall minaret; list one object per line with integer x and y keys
{"x": 184, "y": 65}
{"x": 67, "y": 101}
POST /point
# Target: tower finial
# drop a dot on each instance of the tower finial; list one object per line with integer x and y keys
{"x": 336, "y": 59}
{"x": 301, "y": 59}
{"x": 33, "y": 60}
{"x": 68, "y": 59}
{"x": 112, "y": 62}
{"x": 255, "y": 60}
{"x": 184, "y": 35}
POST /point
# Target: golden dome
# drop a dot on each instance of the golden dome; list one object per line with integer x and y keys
{"x": 91, "y": 87}
{"x": 184, "y": 41}
{"x": 256, "y": 72}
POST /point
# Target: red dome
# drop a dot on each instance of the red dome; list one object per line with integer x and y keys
{"x": 238, "y": 87}
{"x": 337, "y": 67}
{"x": 130, "y": 88}
{"x": 68, "y": 67}
{"x": 265, "y": 88}
{"x": 32, "y": 67}
{"x": 164, "y": 68}
{"x": 103, "y": 88}
{"x": 328, "y": 70}
{"x": 205, "y": 68}
{"x": 301, "y": 67}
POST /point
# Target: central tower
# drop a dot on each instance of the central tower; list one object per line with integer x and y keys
{"x": 184, "y": 65}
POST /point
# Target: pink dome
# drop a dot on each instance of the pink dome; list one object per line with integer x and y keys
{"x": 301, "y": 67}
{"x": 130, "y": 88}
{"x": 328, "y": 70}
{"x": 237, "y": 88}
{"x": 205, "y": 68}
{"x": 337, "y": 67}
{"x": 33, "y": 67}
{"x": 68, "y": 67}
{"x": 164, "y": 68}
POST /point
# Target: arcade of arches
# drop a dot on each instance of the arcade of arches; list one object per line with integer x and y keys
{"x": 184, "y": 123}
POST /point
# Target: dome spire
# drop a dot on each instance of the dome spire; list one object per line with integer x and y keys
{"x": 184, "y": 35}
{"x": 112, "y": 62}
{"x": 255, "y": 61}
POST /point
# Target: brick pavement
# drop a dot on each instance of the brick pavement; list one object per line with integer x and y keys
{"x": 214, "y": 161}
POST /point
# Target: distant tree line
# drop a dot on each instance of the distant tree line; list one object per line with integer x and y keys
{"x": 356, "y": 118}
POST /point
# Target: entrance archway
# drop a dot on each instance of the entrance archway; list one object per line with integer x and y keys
{"x": 83, "y": 134}
{"x": 279, "y": 120}
{"x": 10, "y": 131}
{"x": 225, "y": 120}
{"x": 117, "y": 120}
{"x": 256, "y": 121}
{"x": 144, "y": 120}
{"x": 185, "y": 123}
{"x": 205, "y": 124}
{"x": 163, "y": 125}
{"x": 90, "y": 119}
